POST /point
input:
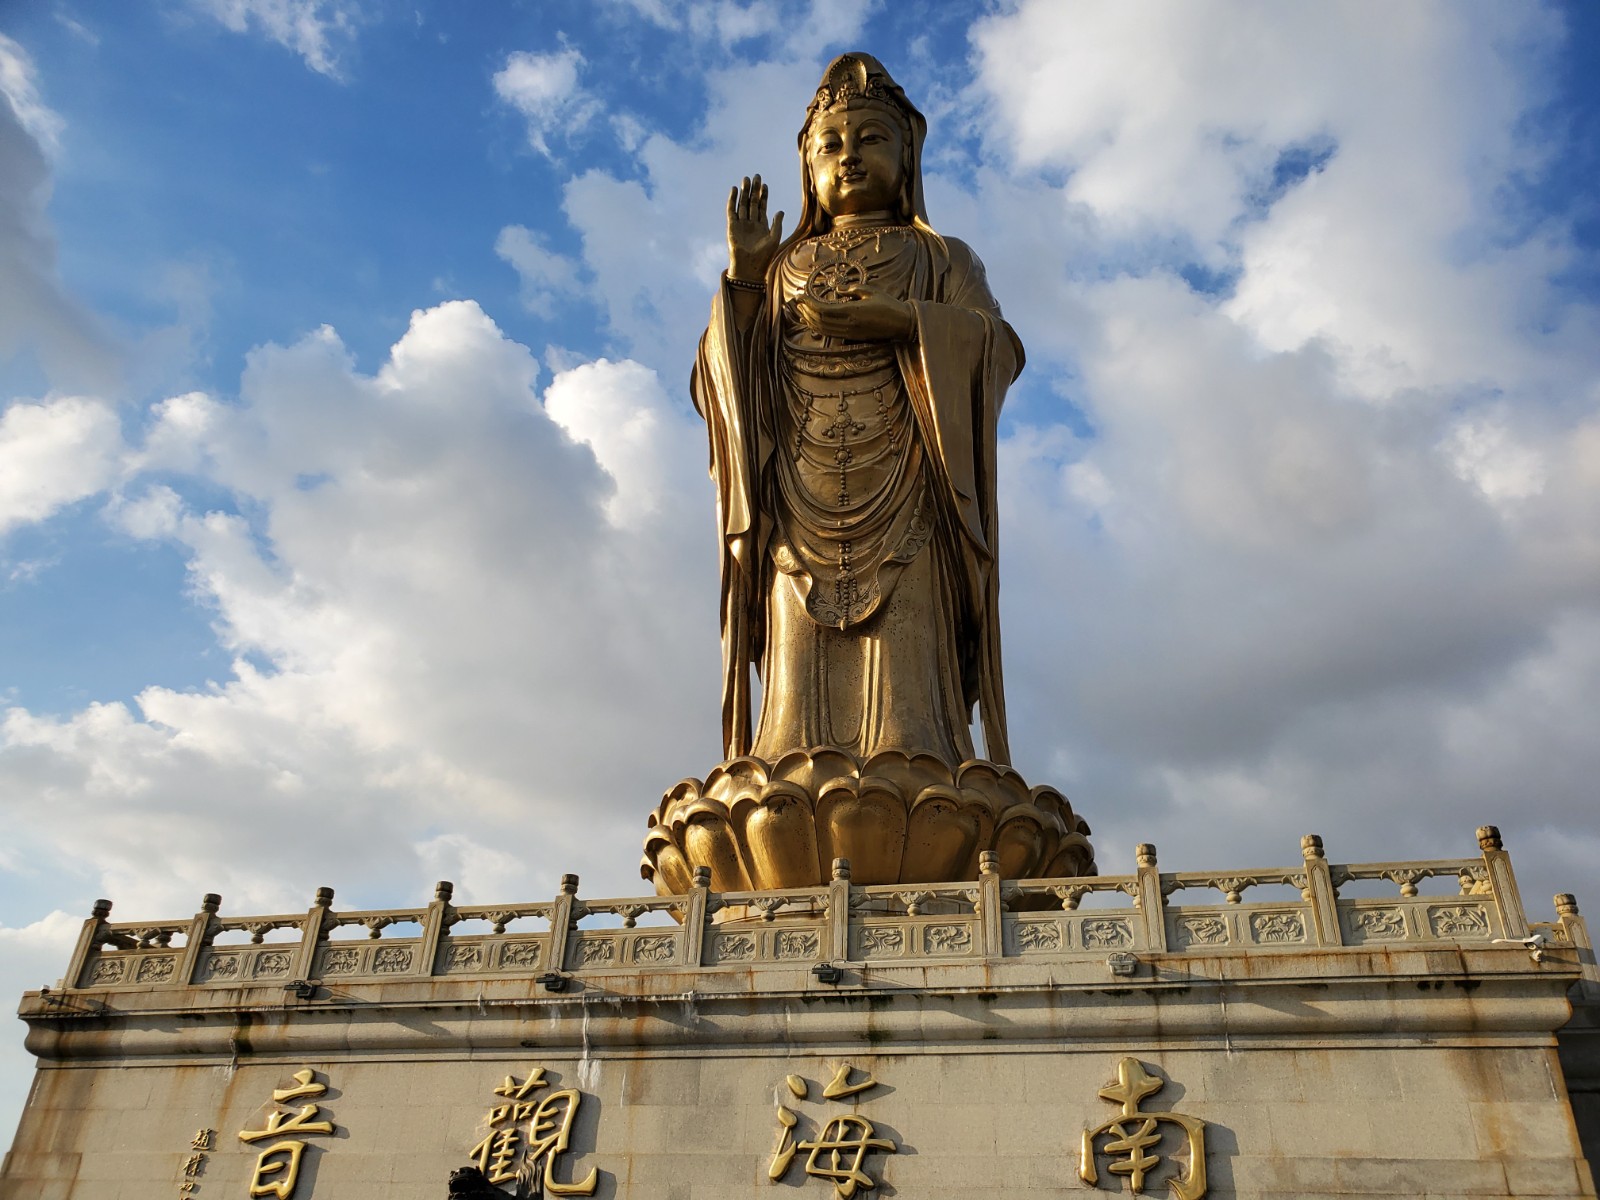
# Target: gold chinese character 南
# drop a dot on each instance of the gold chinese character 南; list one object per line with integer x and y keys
{"x": 1132, "y": 1137}
{"x": 548, "y": 1136}
{"x": 839, "y": 1152}
{"x": 277, "y": 1168}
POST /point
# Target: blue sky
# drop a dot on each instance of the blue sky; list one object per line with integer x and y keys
{"x": 349, "y": 486}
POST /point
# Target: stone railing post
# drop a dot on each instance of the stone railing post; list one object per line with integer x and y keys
{"x": 90, "y": 938}
{"x": 1502, "y": 883}
{"x": 201, "y": 930}
{"x": 1577, "y": 931}
{"x": 318, "y": 922}
{"x": 561, "y": 923}
{"x": 436, "y": 923}
{"x": 991, "y": 913}
{"x": 1319, "y": 893}
{"x": 839, "y": 912}
{"x": 695, "y": 916}
{"x": 1152, "y": 904}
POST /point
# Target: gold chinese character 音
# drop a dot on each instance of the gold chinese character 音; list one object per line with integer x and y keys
{"x": 277, "y": 1168}
{"x": 1131, "y": 1138}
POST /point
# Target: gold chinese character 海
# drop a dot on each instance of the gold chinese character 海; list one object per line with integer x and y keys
{"x": 1132, "y": 1135}
{"x": 839, "y": 1152}
{"x": 828, "y": 1151}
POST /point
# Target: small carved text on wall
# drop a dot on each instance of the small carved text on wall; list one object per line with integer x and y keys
{"x": 277, "y": 1168}
{"x": 839, "y": 1151}
{"x": 1131, "y": 1139}
{"x": 194, "y": 1163}
{"x": 526, "y": 1137}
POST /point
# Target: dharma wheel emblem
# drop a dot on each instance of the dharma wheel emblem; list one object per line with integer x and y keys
{"x": 830, "y": 282}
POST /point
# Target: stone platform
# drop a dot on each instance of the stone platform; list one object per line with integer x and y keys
{"x": 1359, "y": 1033}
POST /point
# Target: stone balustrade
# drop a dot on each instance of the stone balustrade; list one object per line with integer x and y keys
{"x": 989, "y": 918}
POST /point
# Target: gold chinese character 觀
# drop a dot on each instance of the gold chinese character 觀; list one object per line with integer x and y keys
{"x": 525, "y": 1138}
{"x": 1132, "y": 1137}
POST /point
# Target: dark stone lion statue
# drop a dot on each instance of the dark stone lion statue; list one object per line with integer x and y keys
{"x": 469, "y": 1183}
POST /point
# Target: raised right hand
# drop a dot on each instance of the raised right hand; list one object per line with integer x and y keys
{"x": 751, "y": 242}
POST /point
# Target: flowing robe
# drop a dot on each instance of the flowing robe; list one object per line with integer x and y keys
{"x": 855, "y": 490}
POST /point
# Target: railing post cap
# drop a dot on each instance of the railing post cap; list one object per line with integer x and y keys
{"x": 324, "y": 897}
{"x": 444, "y": 890}
{"x": 841, "y": 868}
{"x": 989, "y": 862}
{"x": 1146, "y": 853}
{"x": 702, "y": 877}
{"x": 1489, "y": 838}
{"x": 1566, "y": 904}
{"x": 1311, "y": 845}
{"x": 102, "y": 909}
{"x": 211, "y": 902}
{"x": 569, "y": 885}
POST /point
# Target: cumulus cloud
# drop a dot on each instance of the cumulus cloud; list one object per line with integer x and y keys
{"x": 544, "y": 89}
{"x": 1335, "y": 509}
{"x": 546, "y": 275}
{"x": 52, "y": 454}
{"x": 451, "y": 576}
{"x": 316, "y": 30}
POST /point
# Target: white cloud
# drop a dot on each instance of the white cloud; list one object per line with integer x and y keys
{"x": 544, "y": 88}
{"x": 313, "y": 29}
{"x": 444, "y": 593}
{"x": 52, "y": 454}
{"x": 36, "y": 314}
{"x": 19, "y": 85}
{"x": 546, "y": 275}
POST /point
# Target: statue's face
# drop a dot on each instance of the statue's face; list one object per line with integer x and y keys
{"x": 855, "y": 159}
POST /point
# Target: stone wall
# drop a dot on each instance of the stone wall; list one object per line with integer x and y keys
{"x": 967, "y": 1034}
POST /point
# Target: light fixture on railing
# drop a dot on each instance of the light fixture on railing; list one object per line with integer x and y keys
{"x": 553, "y": 981}
{"x": 827, "y": 973}
{"x": 303, "y": 989}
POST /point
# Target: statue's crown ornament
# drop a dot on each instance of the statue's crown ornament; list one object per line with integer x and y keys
{"x": 849, "y": 79}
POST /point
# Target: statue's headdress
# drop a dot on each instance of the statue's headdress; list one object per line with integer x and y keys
{"x": 856, "y": 79}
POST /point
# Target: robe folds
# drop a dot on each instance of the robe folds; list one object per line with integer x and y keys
{"x": 890, "y": 649}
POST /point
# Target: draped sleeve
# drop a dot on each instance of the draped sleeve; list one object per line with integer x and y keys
{"x": 727, "y": 386}
{"x": 957, "y": 370}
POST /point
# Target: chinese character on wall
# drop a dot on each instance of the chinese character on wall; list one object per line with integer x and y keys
{"x": 277, "y": 1168}
{"x": 527, "y": 1136}
{"x": 839, "y": 1151}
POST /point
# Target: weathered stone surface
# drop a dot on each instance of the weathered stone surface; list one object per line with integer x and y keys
{"x": 1423, "y": 1066}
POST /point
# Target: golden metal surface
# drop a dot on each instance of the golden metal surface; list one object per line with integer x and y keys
{"x": 277, "y": 1168}
{"x": 851, "y": 380}
{"x": 839, "y": 1151}
{"x": 1132, "y": 1137}
{"x": 525, "y": 1138}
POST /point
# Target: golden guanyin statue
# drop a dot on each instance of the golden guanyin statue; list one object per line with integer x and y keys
{"x": 851, "y": 380}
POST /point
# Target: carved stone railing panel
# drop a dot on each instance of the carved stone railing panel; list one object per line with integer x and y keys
{"x": 343, "y": 960}
{"x": 886, "y": 924}
{"x": 232, "y": 966}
